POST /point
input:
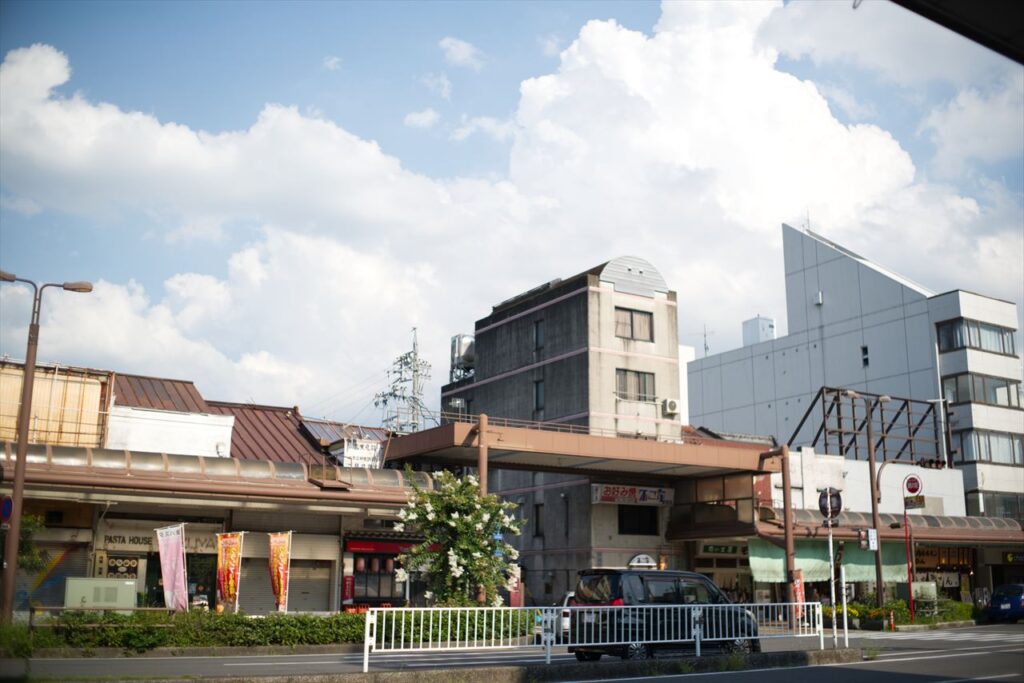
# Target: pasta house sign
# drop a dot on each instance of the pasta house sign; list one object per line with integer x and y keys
{"x": 620, "y": 494}
{"x": 140, "y": 536}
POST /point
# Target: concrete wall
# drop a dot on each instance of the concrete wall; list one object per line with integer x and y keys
{"x": 943, "y": 489}
{"x": 609, "y": 353}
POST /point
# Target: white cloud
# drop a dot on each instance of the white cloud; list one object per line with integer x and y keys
{"x": 438, "y": 84}
{"x": 460, "y": 53}
{"x": 550, "y": 44}
{"x": 847, "y": 102}
{"x": 332, "y": 63}
{"x": 898, "y": 45}
{"x": 978, "y": 126}
{"x": 427, "y": 118}
{"x": 688, "y": 147}
{"x": 498, "y": 130}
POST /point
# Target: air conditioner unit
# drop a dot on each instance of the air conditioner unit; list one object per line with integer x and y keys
{"x": 670, "y": 406}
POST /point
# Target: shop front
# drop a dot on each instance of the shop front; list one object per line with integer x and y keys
{"x": 767, "y": 566}
{"x": 950, "y": 568}
{"x": 726, "y": 561}
{"x": 312, "y": 574}
{"x": 127, "y": 549}
{"x": 370, "y": 565}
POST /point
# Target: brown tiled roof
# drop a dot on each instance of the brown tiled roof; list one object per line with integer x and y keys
{"x": 267, "y": 433}
{"x": 137, "y": 391}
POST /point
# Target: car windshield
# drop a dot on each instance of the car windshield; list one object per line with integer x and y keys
{"x": 1008, "y": 592}
{"x": 593, "y": 588}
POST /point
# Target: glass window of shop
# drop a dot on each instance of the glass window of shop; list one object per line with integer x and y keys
{"x": 201, "y": 571}
{"x": 977, "y": 445}
{"x": 971, "y": 334}
{"x": 375, "y": 577}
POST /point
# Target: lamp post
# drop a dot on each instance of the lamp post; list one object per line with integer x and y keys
{"x": 10, "y": 565}
{"x": 876, "y": 522}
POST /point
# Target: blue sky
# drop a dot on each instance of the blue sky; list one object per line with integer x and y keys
{"x": 270, "y": 195}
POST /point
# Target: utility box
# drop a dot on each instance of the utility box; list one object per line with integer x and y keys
{"x": 103, "y": 593}
{"x": 924, "y": 591}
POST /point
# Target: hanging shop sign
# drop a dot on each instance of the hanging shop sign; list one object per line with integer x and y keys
{"x": 279, "y": 559}
{"x": 229, "y": 568}
{"x": 630, "y": 495}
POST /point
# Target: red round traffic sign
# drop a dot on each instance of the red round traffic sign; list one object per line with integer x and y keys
{"x": 913, "y": 485}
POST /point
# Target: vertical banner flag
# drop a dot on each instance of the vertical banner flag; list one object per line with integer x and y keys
{"x": 229, "y": 567}
{"x": 280, "y": 557}
{"x": 799, "y": 594}
{"x": 171, "y": 544}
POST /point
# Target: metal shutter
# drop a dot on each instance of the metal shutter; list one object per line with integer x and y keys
{"x": 309, "y": 588}
{"x": 256, "y": 596}
{"x": 46, "y": 587}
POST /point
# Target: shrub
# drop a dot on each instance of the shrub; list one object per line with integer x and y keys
{"x": 143, "y": 631}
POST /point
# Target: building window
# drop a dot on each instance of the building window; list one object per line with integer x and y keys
{"x": 538, "y": 519}
{"x": 1006, "y": 505}
{"x": 971, "y": 334}
{"x": 973, "y": 388}
{"x": 630, "y": 324}
{"x": 538, "y": 335}
{"x": 977, "y": 445}
{"x": 638, "y": 520}
{"x": 538, "y": 395}
{"x": 631, "y": 385}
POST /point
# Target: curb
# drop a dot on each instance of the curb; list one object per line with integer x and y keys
{"x": 937, "y": 625}
{"x": 219, "y": 651}
{"x": 544, "y": 673}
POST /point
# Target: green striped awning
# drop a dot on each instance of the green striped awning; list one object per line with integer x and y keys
{"x": 768, "y": 563}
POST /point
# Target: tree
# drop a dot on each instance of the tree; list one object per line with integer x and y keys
{"x": 30, "y": 557}
{"x": 463, "y": 549}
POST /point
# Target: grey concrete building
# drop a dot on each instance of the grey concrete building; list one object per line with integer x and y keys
{"x": 597, "y": 352}
{"x": 854, "y": 324}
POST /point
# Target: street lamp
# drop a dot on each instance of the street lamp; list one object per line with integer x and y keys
{"x": 876, "y": 522}
{"x": 10, "y": 565}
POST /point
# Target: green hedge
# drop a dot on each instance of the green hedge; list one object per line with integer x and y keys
{"x": 143, "y": 631}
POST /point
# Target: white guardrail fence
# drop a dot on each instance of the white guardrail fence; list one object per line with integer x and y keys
{"x": 589, "y": 631}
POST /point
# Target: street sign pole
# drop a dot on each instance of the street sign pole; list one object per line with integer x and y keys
{"x": 842, "y": 582}
{"x": 832, "y": 584}
{"x": 912, "y": 485}
{"x": 831, "y": 504}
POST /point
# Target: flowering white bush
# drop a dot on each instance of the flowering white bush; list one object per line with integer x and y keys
{"x": 463, "y": 548}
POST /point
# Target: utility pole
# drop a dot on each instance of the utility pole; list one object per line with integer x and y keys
{"x": 876, "y": 522}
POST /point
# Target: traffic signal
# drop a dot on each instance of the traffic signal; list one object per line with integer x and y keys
{"x": 932, "y": 464}
{"x": 862, "y": 538}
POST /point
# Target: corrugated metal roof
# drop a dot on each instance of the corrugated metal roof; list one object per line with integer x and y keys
{"x": 326, "y": 432}
{"x": 267, "y": 433}
{"x": 138, "y": 391}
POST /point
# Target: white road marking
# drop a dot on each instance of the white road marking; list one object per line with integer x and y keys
{"x": 977, "y": 678}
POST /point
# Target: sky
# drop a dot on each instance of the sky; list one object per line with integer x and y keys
{"x": 269, "y": 197}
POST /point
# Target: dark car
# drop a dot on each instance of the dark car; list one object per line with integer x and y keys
{"x": 609, "y": 631}
{"x": 1006, "y": 603}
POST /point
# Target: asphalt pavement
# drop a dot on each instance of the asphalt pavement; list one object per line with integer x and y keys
{"x": 993, "y": 653}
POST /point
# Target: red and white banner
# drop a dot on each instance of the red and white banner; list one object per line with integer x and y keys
{"x": 280, "y": 559}
{"x": 171, "y": 544}
{"x": 229, "y": 567}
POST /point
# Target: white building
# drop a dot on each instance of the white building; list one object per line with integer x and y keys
{"x": 853, "y": 324}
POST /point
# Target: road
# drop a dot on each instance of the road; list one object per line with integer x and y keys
{"x": 989, "y": 653}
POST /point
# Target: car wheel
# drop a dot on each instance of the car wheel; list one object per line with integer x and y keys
{"x": 637, "y": 651}
{"x": 582, "y": 656}
{"x": 741, "y": 646}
